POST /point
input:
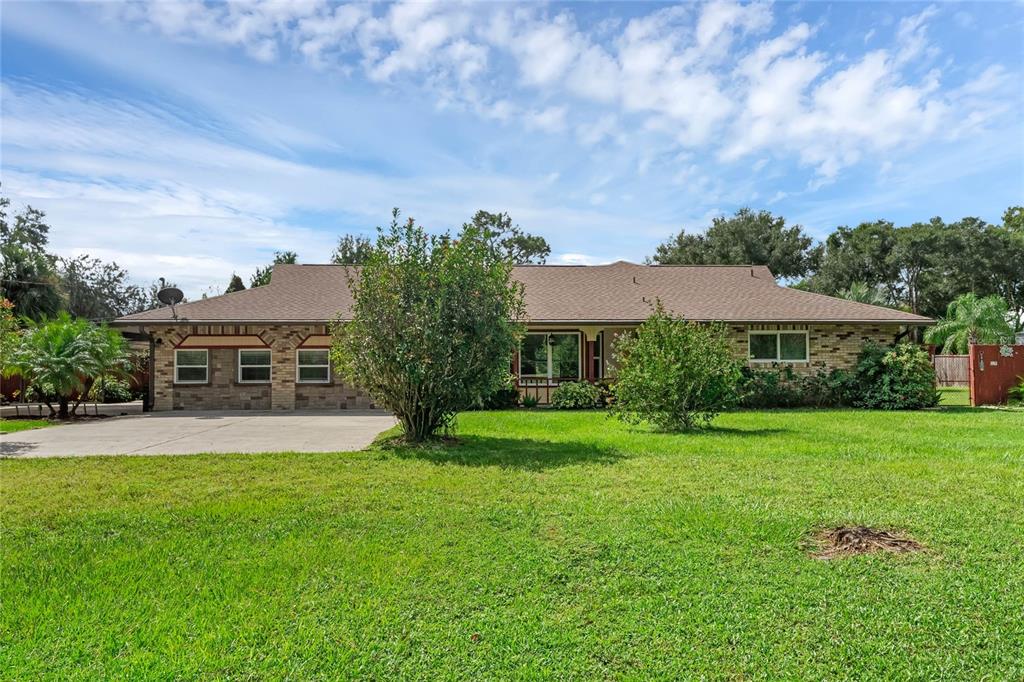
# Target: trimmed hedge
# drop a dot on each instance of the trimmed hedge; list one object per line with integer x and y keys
{"x": 576, "y": 395}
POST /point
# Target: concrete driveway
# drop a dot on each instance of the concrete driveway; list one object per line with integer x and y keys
{"x": 185, "y": 433}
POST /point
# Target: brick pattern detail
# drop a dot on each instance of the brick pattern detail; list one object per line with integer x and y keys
{"x": 223, "y": 392}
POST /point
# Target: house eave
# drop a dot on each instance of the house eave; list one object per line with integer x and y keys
{"x": 817, "y": 320}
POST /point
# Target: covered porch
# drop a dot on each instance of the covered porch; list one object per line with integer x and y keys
{"x": 550, "y": 355}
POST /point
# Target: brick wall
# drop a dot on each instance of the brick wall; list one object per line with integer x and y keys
{"x": 224, "y": 392}
{"x": 836, "y": 345}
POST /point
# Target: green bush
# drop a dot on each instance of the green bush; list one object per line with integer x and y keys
{"x": 676, "y": 374}
{"x": 782, "y": 387}
{"x": 899, "y": 377}
{"x": 1015, "y": 396}
{"x": 111, "y": 391}
{"x": 766, "y": 388}
{"x": 530, "y": 401}
{"x": 576, "y": 395}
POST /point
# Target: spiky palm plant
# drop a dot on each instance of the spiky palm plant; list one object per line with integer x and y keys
{"x": 971, "y": 319}
{"x": 59, "y": 357}
{"x": 862, "y": 292}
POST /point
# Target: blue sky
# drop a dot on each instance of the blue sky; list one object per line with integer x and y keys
{"x": 190, "y": 140}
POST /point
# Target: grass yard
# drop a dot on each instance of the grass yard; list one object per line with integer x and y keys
{"x": 14, "y": 425}
{"x": 546, "y": 544}
{"x": 955, "y": 396}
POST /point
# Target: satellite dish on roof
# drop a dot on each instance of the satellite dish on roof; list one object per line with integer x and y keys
{"x": 170, "y": 296}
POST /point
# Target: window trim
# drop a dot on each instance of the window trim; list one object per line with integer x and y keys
{"x": 298, "y": 375}
{"x": 777, "y": 333}
{"x": 206, "y": 365}
{"x": 548, "y": 376}
{"x": 269, "y": 366}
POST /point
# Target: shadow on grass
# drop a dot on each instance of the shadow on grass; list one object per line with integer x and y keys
{"x": 733, "y": 432}
{"x": 511, "y": 453}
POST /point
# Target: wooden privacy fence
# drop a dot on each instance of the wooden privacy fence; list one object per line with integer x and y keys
{"x": 993, "y": 371}
{"x": 951, "y": 370}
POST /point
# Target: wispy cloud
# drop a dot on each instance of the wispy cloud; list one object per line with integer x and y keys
{"x": 214, "y": 133}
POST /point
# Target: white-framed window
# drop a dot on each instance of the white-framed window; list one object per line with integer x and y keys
{"x": 191, "y": 366}
{"x": 313, "y": 366}
{"x": 253, "y": 366}
{"x": 778, "y": 346}
{"x": 551, "y": 356}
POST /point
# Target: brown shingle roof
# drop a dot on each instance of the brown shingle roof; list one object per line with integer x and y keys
{"x": 620, "y": 292}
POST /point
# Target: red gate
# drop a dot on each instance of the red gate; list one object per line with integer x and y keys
{"x": 993, "y": 371}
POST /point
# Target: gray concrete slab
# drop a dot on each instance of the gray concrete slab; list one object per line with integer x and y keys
{"x": 38, "y": 410}
{"x": 184, "y": 433}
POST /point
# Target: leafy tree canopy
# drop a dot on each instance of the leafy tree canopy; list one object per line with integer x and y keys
{"x": 1013, "y": 218}
{"x": 434, "y": 324}
{"x": 748, "y": 237}
{"x": 235, "y": 284}
{"x": 99, "y": 291}
{"x": 352, "y": 250}
{"x": 28, "y": 275}
{"x": 510, "y": 240}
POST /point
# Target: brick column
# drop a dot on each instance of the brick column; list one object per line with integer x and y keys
{"x": 282, "y": 390}
{"x": 163, "y": 374}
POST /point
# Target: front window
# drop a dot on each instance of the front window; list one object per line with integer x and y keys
{"x": 314, "y": 366}
{"x": 254, "y": 366}
{"x": 191, "y": 366}
{"x": 778, "y": 346}
{"x": 553, "y": 356}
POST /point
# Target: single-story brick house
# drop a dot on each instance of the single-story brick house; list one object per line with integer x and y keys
{"x": 266, "y": 348}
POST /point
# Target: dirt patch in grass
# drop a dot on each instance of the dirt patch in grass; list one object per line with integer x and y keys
{"x": 833, "y": 543}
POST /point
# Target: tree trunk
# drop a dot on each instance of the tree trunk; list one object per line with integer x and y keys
{"x": 63, "y": 412}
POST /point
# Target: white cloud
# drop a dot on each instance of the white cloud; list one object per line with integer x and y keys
{"x": 549, "y": 120}
{"x": 719, "y": 77}
{"x": 576, "y": 259}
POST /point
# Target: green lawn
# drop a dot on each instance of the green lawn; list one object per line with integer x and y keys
{"x": 546, "y": 544}
{"x": 12, "y": 425}
{"x": 955, "y": 396}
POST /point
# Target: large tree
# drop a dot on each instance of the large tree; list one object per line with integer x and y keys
{"x": 858, "y": 254}
{"x": 510, "y": 240}
{"x": 97, "y": 290}
{"x": 434, "y": 324}
{"x": 748, "y": 237}
{"x": 28, "y": 274}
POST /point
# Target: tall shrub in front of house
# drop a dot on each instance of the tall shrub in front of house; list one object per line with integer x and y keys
{"x": 676, "y": 374}
{"x": 899, "y": 377}
{"x": 434, "y": 324}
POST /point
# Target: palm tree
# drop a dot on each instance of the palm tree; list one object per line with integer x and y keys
{"x": 60, "y": 357}
{"x": 970, "y": 319}
{"x": 862, "y": 292}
